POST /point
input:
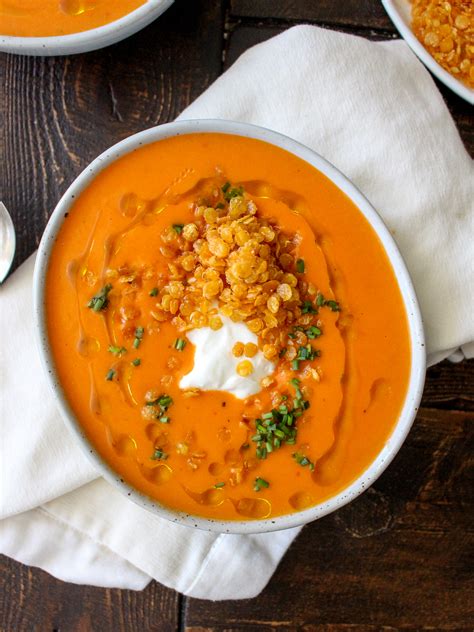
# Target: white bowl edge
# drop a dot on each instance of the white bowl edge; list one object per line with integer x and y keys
{"x": 418, "y": 356}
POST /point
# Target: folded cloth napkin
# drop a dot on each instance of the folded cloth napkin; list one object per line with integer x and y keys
{"x": 372, "y": 110}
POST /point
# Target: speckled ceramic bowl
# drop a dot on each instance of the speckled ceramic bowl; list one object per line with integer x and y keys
{"x": 85, "y": 41}
{"x": 417, "y": 375}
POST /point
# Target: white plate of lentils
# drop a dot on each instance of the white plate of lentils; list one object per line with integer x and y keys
{"x": 441, "y": 34}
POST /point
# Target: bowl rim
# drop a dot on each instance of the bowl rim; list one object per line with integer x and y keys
{"x": 414, "y": 320}
{"x": 425, "y": 57}
{"x": 85, "y": 41}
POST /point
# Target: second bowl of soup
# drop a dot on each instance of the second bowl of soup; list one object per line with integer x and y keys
{"x": 63, "y": 27}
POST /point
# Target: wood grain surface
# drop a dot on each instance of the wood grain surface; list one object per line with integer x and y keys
{"x": 397, "y": 558}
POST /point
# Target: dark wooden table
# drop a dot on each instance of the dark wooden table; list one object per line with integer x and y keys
{"x": 396, "y": 558}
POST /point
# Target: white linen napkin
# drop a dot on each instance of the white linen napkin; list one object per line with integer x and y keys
{"x": 374, "y": 111}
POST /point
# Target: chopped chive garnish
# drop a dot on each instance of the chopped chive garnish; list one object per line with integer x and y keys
{"x": 307, "y": 353}
{"x": 230, "y": 193}
{"x": 308, "y": 308}
{"x": 220, "y": 205}
{"x": 164, "y": 420}
{"x": 333, "y": 306}
{"x": 179, "y": 344}
{"x": 321, "y": 302}
{"x": 153, "y": 292}
{"x": 117, "y": 351}
{"x": 136, "y": 362}
{"x": 282, "y": 352}
{"x": 178, "y": 228}
{"x": 261, "y": 453}
{"x": 159, "y": 455}
{"x": 303, "y": 460}
{"x": 100, "y": 301}
{"x": 313, "y": 332}
{"x": 295, "y": 365}
{"x": 139, "y": 331}
{"x": 300, "y": 265}
{"x": 259, "y": 483}
{"x": 219, "y": 485}
{"x": 110, "y": 375}
{"x": 234, "y": 192}
{"x": 163, "y": 401}
{"x": 277, "y": 426}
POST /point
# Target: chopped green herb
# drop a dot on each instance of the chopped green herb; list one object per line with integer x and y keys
{"x": 219, "y": 485}
{"x": 333, "y": 305}
{"x": 178, "y": 228}
{"x": 320, "y": 300}
{"x": 261, "y": 453}
{"x": 313, "y": 332}
{"x": 139, "y": 331}
{"x": 303, "y": 460}
{"x": 159, "y": 455}
{"x": 231, "y": 192}
{"x": 308, "y": 308}
{"x": 110, "y": 375}
{"x": 220, "y": 205}
{"x": 295, "y": 365}
{"x": 153, "y": 292}
{"x": 277, "y": 426}
{"x": 259, "y": 483}
{"x": 100, "y": 301}
{"x": 161, "y": 405}
{"x": 136, "y": 362}
{"x": 245, "y": 446}
{"x": 307, "y": 353}
{"x": 282, "y": 352}
{"x": 234, "y": 192}
{"x": 163, "y": 401}
{"x": 300, "y": 265}
{"x": 117, "y": 351}
{"x": 179, "y": 344}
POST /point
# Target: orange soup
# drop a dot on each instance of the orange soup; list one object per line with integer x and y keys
{"x": 227, "y": 327}
{"x": 43, "y": 18}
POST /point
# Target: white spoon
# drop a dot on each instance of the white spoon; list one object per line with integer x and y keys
{"x": 7, "y": 242}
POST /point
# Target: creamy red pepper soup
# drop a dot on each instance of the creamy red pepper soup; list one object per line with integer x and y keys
{"x": 227, "y": 327}
{"x": 44, "y": 18}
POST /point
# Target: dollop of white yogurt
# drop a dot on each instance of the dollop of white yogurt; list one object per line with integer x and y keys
{"x": 215, "y": 367}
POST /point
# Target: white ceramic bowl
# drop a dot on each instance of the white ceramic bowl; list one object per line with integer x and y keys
{"x": 400, "y": 14}
{"x": 85, "y": 41}
{"x": 417, "y": 374}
